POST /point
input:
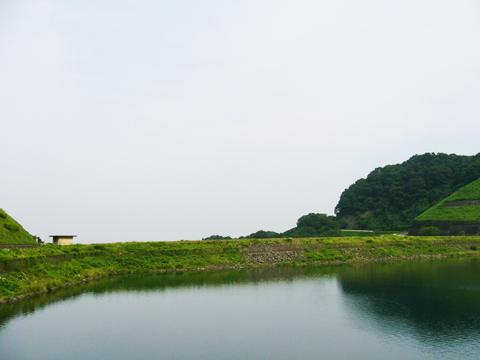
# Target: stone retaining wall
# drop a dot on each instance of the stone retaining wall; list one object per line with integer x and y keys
{"x": 448, "y": 228}
{"x": 22, "y": 263}
{"x": 461, "y": 203}
{"x": 18, "y": 246}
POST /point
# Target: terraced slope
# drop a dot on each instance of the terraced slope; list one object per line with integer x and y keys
{"x": 457, "y": 214}
{"x": 11, "y": 232}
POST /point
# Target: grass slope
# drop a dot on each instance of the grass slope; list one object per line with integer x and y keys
{"x": 36, "y": 270}
{"x": 11, "y": 232}
{"x": 442, "y": 213}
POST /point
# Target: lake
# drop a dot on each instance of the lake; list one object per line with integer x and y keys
{"x": 405, "y": 310}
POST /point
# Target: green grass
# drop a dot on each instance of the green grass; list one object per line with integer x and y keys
{"x": 48, "y": 267}
{"x": 11, "y": 232}
{"x": 468, "y": 192}
{"x": 358, "y": 233}
{"x": 442, "y": 213}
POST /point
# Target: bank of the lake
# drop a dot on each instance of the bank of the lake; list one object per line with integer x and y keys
{"x": 25, "y": 272}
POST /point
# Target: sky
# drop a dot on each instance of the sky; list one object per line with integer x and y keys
{"x": 157, "y": 120}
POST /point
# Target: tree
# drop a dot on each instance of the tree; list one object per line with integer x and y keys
{"x": 262, "y": 234}
{"x": 217, "y": 237}
{"x": 315, "y": 225}
{"x": 392, "y": 196}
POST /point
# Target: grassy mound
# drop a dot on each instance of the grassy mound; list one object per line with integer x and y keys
{"x": 11, "y": 232}
{"x": 463, "y": 205}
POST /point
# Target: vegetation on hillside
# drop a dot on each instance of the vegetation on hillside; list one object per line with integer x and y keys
{"x": 468, "y": 192}
{"x": 217, "y": 237}
{"x": 392, "y": 196}
{"x": 11, "y": 232}
{"x": 49, "y": 267}
{"x": 440, "y": 212}
{"x": 310, "y": 225}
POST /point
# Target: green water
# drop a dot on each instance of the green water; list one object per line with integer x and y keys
{"x": 410, "y": 310}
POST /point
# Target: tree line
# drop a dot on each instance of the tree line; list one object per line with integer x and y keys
{"x": 311, "y": 225}
{"x": 392, "y": 196}
{"x": 389, "y": 198}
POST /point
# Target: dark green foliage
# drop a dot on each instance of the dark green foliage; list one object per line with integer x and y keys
{"x": 429, "y": 231}
{"x": 342, "y": 223}
{"x": 392, "y": 196}
{"x": 262, "y": 234}
{"x": 11, "y": 227}
{"x": 8, "y": 287}
{"x": 312, "y": 225}
{"x": 217, "y": 237}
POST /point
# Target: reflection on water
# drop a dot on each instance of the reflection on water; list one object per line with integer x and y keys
{"x": 145, "y": 283}
{"x": 410, "y": 310}
{"x": 435, "y": 301}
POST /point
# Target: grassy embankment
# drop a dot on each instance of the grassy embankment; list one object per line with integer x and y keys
{"x": 11, "y": 232}
{"x": 441, "y": 212}
{"x": 36, "y": 270}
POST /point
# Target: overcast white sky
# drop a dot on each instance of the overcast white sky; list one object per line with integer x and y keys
{"x": 166, "y": 120}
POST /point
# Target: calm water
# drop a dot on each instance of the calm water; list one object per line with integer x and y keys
{"x": 412, "y": 310}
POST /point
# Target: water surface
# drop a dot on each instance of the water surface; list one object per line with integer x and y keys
{"x": 410, "y": 310}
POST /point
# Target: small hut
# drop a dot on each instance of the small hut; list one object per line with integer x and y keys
{"x": 63, "y": 239}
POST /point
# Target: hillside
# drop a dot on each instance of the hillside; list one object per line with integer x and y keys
{"x": 392, "y": 196}
{"x": 11, "y": 232}
{"x": 458, "y": 213}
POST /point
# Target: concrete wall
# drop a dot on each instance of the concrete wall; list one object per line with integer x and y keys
{"x": 58, "y": 240}
{"x": 65, "y": 241}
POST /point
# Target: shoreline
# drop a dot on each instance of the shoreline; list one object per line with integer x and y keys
{"x": 39, "y": 276}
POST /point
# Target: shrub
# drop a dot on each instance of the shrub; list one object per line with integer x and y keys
{"x": 11, "y": 227}
{"x": 217, "y": 237}
{"x": 473, "y": 247}
{"x": 10, "y": 285}
{"x": 262, "y": 234}
{"x": 429, "y": 231}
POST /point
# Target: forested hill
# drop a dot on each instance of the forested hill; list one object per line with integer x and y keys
{"x": 392, "y": 196}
